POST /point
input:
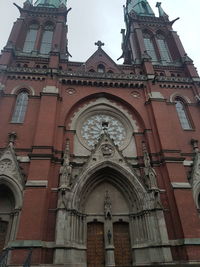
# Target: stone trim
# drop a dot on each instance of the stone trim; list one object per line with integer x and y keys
{"x": 44, "y": 244}
{"x": 188, "y": 163}
{"x": 181, "y": 186}
{"x": 23, "y": 159}
{"x": 37, "y": 183}
{"x": 185, "y": 241}
{"x": 50, "y": 90}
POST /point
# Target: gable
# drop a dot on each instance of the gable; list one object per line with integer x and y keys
{"x": 101, "y": 58}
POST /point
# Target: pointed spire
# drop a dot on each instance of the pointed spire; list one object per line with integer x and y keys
{"x": 161, "y": 11}
{"x": 50, "y": 3}
{"x": 140, "y": 7}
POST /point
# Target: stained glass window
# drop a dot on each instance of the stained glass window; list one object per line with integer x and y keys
{"x": 46, "y": 42}
{"x": 149, "y": 46}
{"x": 20, "y": 107}
{"x": 163, "y": 48}
{"x": 30, "y": 38}
{"x": 180, "y": 108}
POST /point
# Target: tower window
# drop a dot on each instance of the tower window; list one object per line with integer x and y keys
{"x": 182, "y": 114}
{"x": 30, "y": 38}
{"x": 46, "y": 42}
{"x": 163, "y": 48}
{"x": 101, "y": 68}
{"x": 149, "y": 46}
{"x": 20, "y": 107}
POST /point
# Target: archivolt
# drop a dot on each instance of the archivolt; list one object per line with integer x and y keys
{"x": 15, "y": 188}
{"x": 123, "y": 180}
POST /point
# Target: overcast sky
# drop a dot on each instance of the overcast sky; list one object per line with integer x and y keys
{"x": 92, "y": 20}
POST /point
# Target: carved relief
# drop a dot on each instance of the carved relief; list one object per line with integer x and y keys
{"x": 6, "y": 165}
{"x": 107, "y": 150}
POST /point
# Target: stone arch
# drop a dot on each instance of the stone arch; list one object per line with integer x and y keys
{"x": 16, "y": 189}
{"x": 123, "y": 179}
{"x": 178, "y": 95}
{"x": 24, "y": 87}
{"x": 104, "y": 104}
{"x": 81, "y": 105}
{"x": 10, "y": 207}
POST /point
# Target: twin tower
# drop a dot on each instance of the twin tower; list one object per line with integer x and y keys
{"x": 99, "y": 162}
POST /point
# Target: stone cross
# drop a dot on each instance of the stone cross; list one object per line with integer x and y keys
{"x": 99, "y": 44}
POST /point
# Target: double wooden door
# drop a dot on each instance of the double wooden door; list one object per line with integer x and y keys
{"x": 96, "y": 247}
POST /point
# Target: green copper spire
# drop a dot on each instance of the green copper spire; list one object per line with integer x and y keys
{"x": 140, "y": 7}
{"x": 50, "y": 3}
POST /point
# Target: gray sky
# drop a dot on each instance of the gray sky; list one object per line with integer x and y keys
{"x": 92, "y": 20}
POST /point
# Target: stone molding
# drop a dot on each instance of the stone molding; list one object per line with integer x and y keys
{"x": 37, "y": 183}
{"x": 50, "y": 90}
{"x": 177, "y": 185}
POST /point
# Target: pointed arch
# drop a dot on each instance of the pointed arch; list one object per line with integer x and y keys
{"x": 31, "y": 36}
{"x": 15, "y": 187}
{"x": 47, "y": 37}
{"x": 112, "y": 100}
{"x": 163, "y": 47}
{"x": 182, "y": 113}
{"x": 20, "y": 107}
{"x": 126, "y": 182}
{"x": 149, "y": 44}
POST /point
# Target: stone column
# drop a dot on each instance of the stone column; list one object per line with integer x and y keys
{"x": 109, "y": 245}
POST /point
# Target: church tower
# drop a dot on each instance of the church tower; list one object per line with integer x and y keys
{"x": 99, "y": 162}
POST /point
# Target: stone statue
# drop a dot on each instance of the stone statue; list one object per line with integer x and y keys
{"x": 150, "y": 173}
{"x": 107, "y": 206}
{"x": 66, "y": 170}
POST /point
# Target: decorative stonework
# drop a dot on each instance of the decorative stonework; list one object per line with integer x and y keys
{"x": 93, "y": 127}
{"x": 71, "y": 91}
{"x": 6, "y": 166}
{"x": 195, "y": 175}
{"x": 135, "y": 94}
{"x": 9, "y": 166}
{"x": 107, "y": 150}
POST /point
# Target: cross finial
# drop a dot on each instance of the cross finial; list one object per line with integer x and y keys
{"x": 99, "y": 44}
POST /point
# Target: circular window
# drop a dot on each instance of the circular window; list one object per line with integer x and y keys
{"x": 94, "y": 126}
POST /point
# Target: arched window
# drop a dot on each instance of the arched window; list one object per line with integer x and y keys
{"x": 20, "y": 107}
{"x": 101, "y": 68}
{"x": 30, "y": 38}
{"x": 163, "y": 48}
{"x": 149, "y": 46}
{"x": 182, "y": 114}
{"x": 46, "y": 42}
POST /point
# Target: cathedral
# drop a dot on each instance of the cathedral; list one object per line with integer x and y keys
{"x": 99, "y": 161}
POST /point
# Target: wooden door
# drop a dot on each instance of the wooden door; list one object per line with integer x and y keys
{"x": 95, "y": 245}
{"x": 122, "y": 244}
{"x": 3, "y": 232}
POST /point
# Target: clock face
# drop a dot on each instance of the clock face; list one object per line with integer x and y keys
{"x": 95, "y": 125}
